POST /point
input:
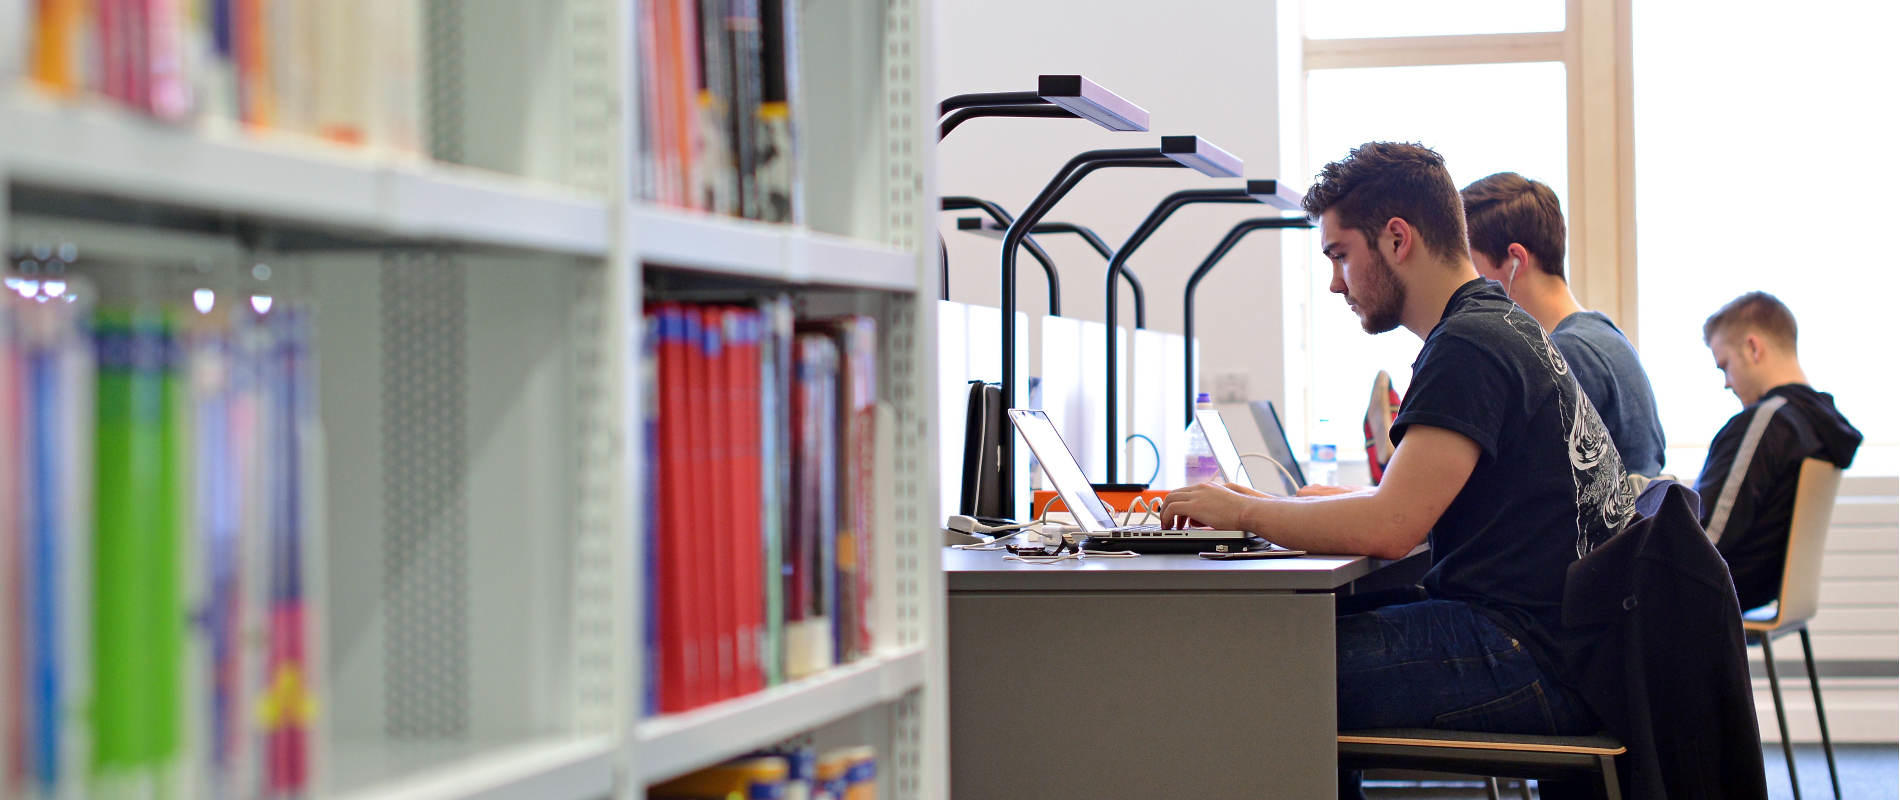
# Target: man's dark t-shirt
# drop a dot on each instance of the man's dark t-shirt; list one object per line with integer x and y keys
{"x": 1605, "y": 365}
{"x": 1548, "y": 487}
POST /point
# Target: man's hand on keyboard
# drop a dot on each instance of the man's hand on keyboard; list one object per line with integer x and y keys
{"x": 1209, "y": 504}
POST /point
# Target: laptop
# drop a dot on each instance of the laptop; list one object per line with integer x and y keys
{"x": 1093, "y": 517}
{"x": 1278, "y": 448}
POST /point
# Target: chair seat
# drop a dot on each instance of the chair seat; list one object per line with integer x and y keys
{"x": 1594, "y": 745}
{"x": 1768, "y": 620}
{"x": 1474, "y": 752}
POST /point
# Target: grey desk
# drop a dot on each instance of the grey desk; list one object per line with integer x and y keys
{"x": 1158, "y": 676}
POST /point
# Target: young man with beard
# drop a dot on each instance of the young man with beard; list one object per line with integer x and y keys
{"x": 1501, "y": 463}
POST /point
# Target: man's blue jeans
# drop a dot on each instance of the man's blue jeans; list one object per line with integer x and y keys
{"x": 1443, "y": 664}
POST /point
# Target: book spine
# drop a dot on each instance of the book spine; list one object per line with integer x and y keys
{"x": 680, "y": 668}
{"x": 773, "y": 488}
{"x": 743, "y": 46}
{"x": 137, "y": 616}
{"x": 12, "y": 572}
{"x": 651, "y": 511}
{"x": 830, "y": 488}
{"x": 716, "y": 162}
{"x": 715, "y": 491}
{"x": 685, "y": 79}
{"x": 747, "y": 550}
{"x": 166, "y": 89}
{"x": 397, "y": 115}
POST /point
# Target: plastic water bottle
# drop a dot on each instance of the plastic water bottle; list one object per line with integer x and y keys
{"x": 1325, "y": 460}
{"x": 1202, "y": 466}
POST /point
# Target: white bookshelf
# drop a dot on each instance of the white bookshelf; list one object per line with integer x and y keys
{"x": 481, "y": 554}
{"x": 88, "y": 146}
{"x": 666, "y": 237}
{"x": 679, "y": 743}
{"x": 566, "y": 768}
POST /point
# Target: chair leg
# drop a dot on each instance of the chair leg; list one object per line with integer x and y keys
{"x": 1611, "y": 789}
{"x": 1781, "y": 717}
{"x": 1491, "y": 788}
{"x": 1524, "y": 786}
{"x": 1814, "y": 681}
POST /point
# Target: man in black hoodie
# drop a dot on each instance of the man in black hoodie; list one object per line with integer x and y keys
{"x": 1748, "y": 483}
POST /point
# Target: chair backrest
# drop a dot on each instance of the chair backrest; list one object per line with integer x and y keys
{"x": 1814, "y": 495}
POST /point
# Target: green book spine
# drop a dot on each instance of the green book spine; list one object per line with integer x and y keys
{"x": 138, "y": 618}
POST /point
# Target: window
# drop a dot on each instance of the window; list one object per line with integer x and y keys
{"x": 1364, "y": 19}
{"x": 1483, "y": 118}
{"x": 1760, "y": 164}
{"x": 1493, "y": 86}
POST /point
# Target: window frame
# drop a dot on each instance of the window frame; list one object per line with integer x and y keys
{"x": 1600, "y": 209}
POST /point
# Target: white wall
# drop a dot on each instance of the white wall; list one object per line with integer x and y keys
{"x": 1205, "y": 67}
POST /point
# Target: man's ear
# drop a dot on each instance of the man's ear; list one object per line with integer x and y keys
{"x": 1404, "y": 238}
{"x": 1752, "y": 346}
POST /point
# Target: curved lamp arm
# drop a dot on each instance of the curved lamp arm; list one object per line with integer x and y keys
{"x": 1233, "y": 237}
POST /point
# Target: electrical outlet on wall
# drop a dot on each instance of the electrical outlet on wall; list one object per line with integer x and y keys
{"x": 1230, "y": 387}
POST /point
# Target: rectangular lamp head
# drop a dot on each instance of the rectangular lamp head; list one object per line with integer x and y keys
{"x": 1274, "y": 193}
{"x": 1202, "y": 156}
{"x": 1085, "y": 99}
{"x": 980, "y": 227}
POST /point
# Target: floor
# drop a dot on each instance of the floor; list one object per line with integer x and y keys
{"x": 1868, "y": 772}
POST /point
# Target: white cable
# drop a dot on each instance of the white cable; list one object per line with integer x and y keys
{"x": 995, "y": 544}
{"x": 1149, "y": 508}
{"x": 1077, "y": 555}
{"x": 1290, "y": 481}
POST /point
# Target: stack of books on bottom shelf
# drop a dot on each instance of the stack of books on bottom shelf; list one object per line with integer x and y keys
{"x": 793, "y": 773}
{"x": 761, "y": 453}
{"x": 155, "y": 500}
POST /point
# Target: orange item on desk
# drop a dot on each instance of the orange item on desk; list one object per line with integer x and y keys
{"x": 1116, "y": 501}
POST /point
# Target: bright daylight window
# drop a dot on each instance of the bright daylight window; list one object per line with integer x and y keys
{"x": 1482, "y": 118}
{"x": 1356, "y": 19}
{"x": 1752, "y": 175}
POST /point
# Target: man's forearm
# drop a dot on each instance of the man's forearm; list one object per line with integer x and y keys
{"x": 1353, "y": 524}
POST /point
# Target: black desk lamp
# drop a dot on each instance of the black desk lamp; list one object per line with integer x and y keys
{"x": 1175, "y": 152}
{"x": 1227, "y": 243}
{"x": 994, "y": 230}
{"x": 1056, "y": 96}
{"x": 1255, "y": 191}
{"x": 1001, "y": 218}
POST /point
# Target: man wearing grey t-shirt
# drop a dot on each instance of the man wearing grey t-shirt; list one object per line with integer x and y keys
{"x": 1517, "y": 239}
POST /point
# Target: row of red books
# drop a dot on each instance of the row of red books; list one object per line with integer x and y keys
{"x": 761, "y": 450}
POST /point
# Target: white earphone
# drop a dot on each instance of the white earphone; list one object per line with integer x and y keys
{"x": 1508, "y": 283}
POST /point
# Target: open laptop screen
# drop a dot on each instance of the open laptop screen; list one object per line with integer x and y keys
{"x": 1278, "y": 448}
{"x": 1222, "y": 443}
{"x": 1066, "y": 475}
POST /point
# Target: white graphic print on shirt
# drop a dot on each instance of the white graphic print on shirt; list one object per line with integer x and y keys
{"x": 1605, "y": 500}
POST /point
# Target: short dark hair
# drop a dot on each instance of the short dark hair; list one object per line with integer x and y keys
{"x": 1758, "y": 312}
{"x": 1381, "y": 180}
{"x": 1508, "y": 207}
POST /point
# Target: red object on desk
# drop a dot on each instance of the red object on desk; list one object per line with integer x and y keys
{"x": 1116, "y": 501}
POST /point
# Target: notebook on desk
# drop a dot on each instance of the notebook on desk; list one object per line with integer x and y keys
{"x": 1094, "y": 518}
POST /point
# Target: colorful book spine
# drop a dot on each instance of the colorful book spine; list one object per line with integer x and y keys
{"x": 12, "y": 569}
{"x": 137, "y": 613}
{"x": 744, "y": 388}
{"x": 716, "y": 165}
{"x": 715, "y": 490}
{"x": 781, "y": 198}
{"x": 696, "y": 543}
{"x": 743, "y": 45}
{"x": 651, "y": 514}
{"x": 287, "y": 706}
{"x": 775, "y": 453}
